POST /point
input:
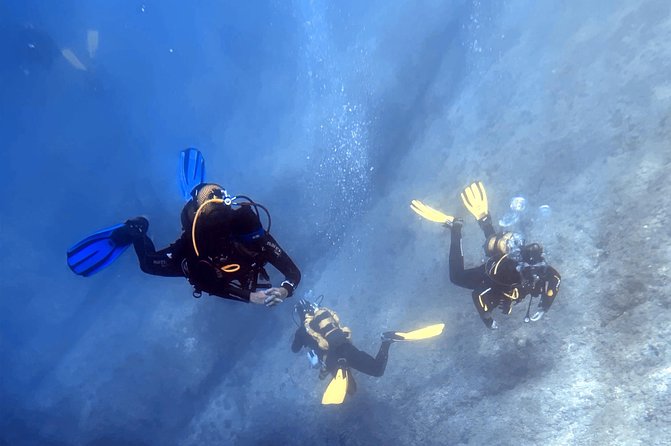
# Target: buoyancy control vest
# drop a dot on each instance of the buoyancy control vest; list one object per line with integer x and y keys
{"x": 324, "y": 327}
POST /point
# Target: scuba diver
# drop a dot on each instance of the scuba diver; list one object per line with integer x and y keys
{"x": 331, "y": 350}
{"x": 24, "y": 48}
{"x": 222, "y": 251}
{"x": 512, "y": 271}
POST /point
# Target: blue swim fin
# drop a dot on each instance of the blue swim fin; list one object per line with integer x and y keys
{"x": 95, "y": 252}
{"x": 191, "y": 170}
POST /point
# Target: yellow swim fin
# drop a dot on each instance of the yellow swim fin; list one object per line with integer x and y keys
{"x": 92, "y": 40}
{"x": 475, "y": 200}
{"x": 72, "y": 59}
{"x": 430, "y": 213}
{"x": 337, "y": 388}
{"x": 415, "y": 335}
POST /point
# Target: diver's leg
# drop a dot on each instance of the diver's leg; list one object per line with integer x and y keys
{"x": 157, "y": 263}
{"x": 486, "y": 225}
{"x": 465, "y": 278}
{"x": 364, "y": 362}
{"x": 484, "y": 303}
{"x": 351, "y": 384}
{"x": 166, "y": 262}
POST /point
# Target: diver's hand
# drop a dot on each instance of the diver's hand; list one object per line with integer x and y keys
{"x": 275, "y": 296}
{"x": 537, "y": 315}
{"x": 490, "y": 323}
{"x": 257, "y": 297}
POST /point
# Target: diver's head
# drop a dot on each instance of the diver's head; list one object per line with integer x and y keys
{"x": 304, "y": 307}
{"x": 208, "y": 191}
{"x": 531, "y": 265}
{"x": 532, "y": 253}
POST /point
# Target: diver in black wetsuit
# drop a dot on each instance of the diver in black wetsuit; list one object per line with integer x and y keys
{"x": 222, "y": 251}
{"x": 330, "y": 344}
{"x": 24, "y": 49}
{"x": 507, "y": 277}
{"x": 512, "y": 271}
{"x": 330, "y": 347}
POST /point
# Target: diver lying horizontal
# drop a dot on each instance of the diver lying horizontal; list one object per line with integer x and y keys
{"x": 223, "y": 249}
{"x": 331, "y": 350}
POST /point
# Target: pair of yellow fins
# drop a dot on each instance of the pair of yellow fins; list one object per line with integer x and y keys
{"x": 473, "y": 196}
{"x": 337, "y": 388}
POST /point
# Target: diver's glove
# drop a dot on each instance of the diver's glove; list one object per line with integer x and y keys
{"x": 257, "y": 297}
{"x": 275, "y": 296}
{"x": 538, "y": 315}
{"x": 131, "y": 230}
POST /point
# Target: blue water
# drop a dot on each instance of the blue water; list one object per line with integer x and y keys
{"x": 334, "y": 115}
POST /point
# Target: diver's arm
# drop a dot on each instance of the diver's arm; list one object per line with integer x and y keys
{"x": 486, "y": 225}
{"x": 482, "y": 302}
{"x": 232, "y": 292}
{"x": 277, "y": 257}
{"x": 299, "y": 340}
{"x": 466, "y": 278}
{"x": 551, "y": 288}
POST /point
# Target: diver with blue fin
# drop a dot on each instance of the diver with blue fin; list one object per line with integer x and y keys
{"x": 223, "y": 249}
{"x": 330, "y": 348}
{"x": 512, "y": 271}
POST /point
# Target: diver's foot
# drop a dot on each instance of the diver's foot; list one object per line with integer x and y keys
{"x": 390, "y": 336}
{"x": 138, "y": 225}
{"x": 455, "y": 223}
{"x": 131, "y": 230}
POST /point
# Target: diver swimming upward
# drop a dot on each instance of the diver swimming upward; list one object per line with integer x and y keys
{"x": 222, "y": 251}
{"x": 331, "y": 350}
{"x": 513, "y": 269}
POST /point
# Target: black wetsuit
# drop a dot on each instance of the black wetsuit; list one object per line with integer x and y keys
{"x": 355, "y": 358}
{"x": 235, "y": 239}
{"x": 497, "y": 283}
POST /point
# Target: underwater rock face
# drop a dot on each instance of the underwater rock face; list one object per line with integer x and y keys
{"x": 572, "y": 112}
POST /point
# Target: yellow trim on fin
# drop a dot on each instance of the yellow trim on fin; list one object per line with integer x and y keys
{"x": 337, "y": 388}
{"x": 430, "y": 213}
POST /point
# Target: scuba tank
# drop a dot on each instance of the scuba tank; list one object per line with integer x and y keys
{"x": 220, "y": 227}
